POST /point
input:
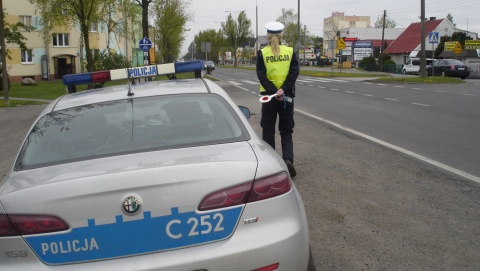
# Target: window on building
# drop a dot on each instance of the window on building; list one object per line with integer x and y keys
{"x": 94, "y": 27}
{"x": 26, "y": 20}
{"x": 60, "y": 40}
{"x": 27, "y": 57}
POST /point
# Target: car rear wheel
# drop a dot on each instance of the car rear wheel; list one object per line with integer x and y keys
{"x": 404, "y": 71}
{"x": 443, "y": 74}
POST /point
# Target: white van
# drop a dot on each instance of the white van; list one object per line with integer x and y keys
{"x": 412, "y": 66}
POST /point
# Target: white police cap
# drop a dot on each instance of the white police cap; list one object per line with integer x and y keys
{"x": 274, "y": 27}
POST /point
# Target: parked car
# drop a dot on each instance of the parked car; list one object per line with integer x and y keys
{"x": 448, "y": 67}
{"x": 209, "y": 64}
{"x": 412, "y": 66}
{"x": 161, "y": 175}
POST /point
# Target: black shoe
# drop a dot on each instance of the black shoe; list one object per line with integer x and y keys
{"x": 291, "y": 168}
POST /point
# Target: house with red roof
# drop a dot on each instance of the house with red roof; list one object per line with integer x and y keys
{"x": 408, "y": 44}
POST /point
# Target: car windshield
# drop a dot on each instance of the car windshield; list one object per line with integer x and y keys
{"x": 130, "y": 126}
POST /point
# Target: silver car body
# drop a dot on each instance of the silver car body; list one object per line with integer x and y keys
{"x": 91, "y": 195}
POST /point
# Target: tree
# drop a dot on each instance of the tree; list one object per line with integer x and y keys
{"x": 144, "y": 4}
{"x": 11, "y": 34}
{"x": 289, "y": 20}
{"x": 389, "y": 23}
{"x": 456, "y": 36}
{"x": 73, "y": 13}
{"x": 215, "y": 38}
{"x": 170, "y": 18}
{"x": 237, "y": 32}
{"x": 450, "y": 18}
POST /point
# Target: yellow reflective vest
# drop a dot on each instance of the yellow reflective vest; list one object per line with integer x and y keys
{"x": 277, "y": 67}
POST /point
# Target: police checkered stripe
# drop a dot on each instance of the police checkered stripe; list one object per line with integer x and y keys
{"x": 125, "y": 218}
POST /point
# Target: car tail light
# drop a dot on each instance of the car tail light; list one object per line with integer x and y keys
{"x": 271, "y": 267}
{"x": 452, "y": 67}
{"x": 13, "y": 225}
{"x": 260, "y": 189}
{"x": 6, "y": 227}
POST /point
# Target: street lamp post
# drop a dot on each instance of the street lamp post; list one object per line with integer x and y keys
{"x": 192, "y": 46}
{"x": 256, "y": 26}
{"x": 234, "y": 35}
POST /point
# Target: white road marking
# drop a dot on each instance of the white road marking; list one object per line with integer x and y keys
{"x": 251, "y": 82}
{"x": 391, "y": 99}
{"x": 368, "y": 95}
{"x": 235, "y": 83}
{"x": 394, "y": 147}
{"x": 421, "y": 104}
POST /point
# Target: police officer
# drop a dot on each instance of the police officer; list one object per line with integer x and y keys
{"x": 277, "y": 70}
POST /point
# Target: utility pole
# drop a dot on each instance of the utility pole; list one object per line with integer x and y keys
{"x": 423, "y": 60}
{"x": 256, "y": 31}
{"x": 3, "y": 52}
{"x": 298, "y": 22}
{"x": 383, "y": 39}
{"x": 304, "y": 42}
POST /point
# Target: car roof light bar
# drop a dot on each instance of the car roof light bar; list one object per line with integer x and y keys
{"x": 129, "y": 73}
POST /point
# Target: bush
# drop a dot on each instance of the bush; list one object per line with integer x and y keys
{"x": 110, "y": 60}
{"x": 368, "y": 64}
{"x": 389, "y": 66}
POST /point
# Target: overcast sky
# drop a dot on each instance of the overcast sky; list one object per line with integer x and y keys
{"x": 210, "y": 13}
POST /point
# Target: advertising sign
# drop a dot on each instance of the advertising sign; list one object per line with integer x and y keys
{"x": 449, "y": 45}
{"x": 362, "y": 44}
{"x": 472, "y": 44}
{"x": 361, "y": 53}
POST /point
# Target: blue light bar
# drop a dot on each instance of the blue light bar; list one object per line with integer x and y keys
{"x": 137, "y": 72}
{"x": 181, "y": 67}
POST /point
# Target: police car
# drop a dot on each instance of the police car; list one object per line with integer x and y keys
{"x": 160, "y": 175}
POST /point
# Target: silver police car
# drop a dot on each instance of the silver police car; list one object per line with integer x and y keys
{"x": 160, "y": 175}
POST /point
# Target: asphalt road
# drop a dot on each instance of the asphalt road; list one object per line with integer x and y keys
{"x": 369, "y": 207}
{"x": 438, "y": 122}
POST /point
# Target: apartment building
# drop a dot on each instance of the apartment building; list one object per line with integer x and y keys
{"x": 52, "y": 54}
{"x": 335, "y": 23}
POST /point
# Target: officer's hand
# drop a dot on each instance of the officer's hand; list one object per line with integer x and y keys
{"x": 280, "y": 95}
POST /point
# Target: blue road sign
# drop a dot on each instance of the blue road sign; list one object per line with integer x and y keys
{"x": 145, "y": 44}
{"x": 433, "y": 37}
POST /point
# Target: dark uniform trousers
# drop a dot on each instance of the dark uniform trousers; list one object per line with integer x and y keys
{"x": 285, "y": 125}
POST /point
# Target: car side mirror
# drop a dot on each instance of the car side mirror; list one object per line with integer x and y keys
{"x": 245, "y": 111}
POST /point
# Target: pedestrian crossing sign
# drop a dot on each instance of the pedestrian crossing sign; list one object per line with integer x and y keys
{"x": 433, "y": 37}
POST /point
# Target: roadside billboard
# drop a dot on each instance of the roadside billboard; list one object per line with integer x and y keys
{"x": 361, "y": 49}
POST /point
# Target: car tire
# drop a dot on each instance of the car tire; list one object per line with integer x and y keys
{"x": 444, "y": 74}
{"x": 463, "y": 77}
{"x": 404, "y": 71}
{"x": 311, "y": 263}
